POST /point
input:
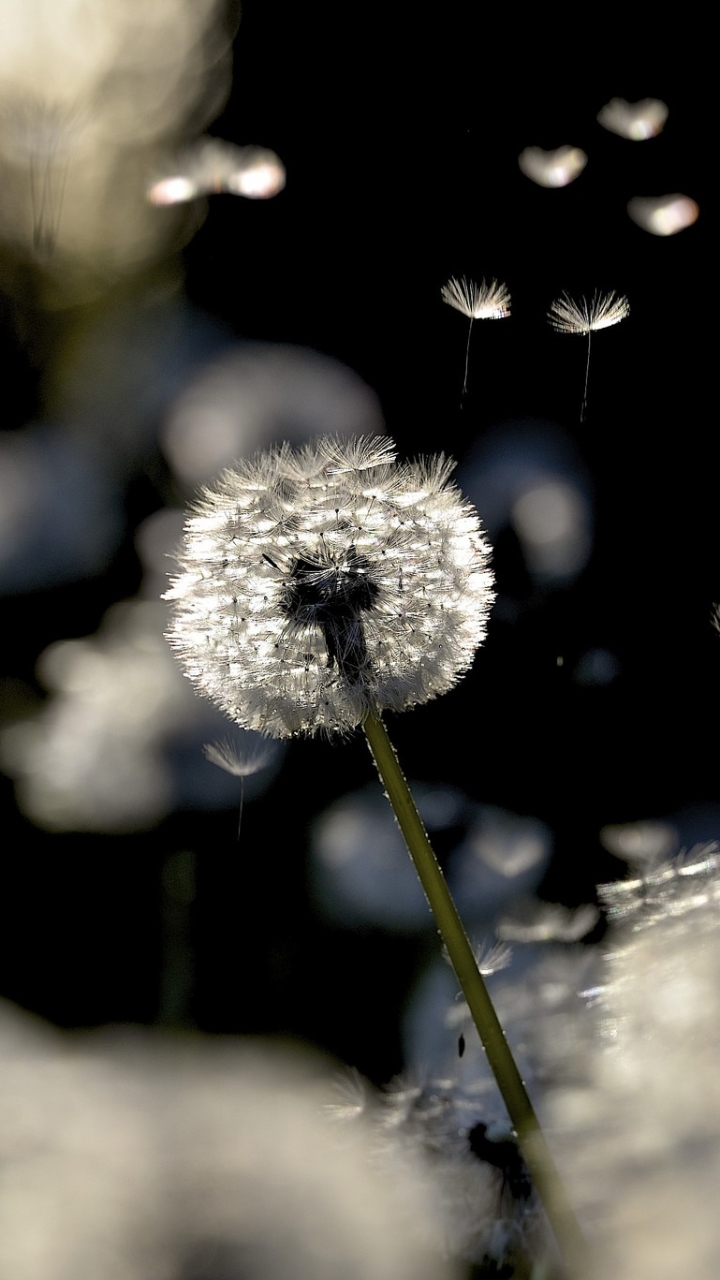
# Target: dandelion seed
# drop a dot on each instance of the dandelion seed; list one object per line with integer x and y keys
{"x": 552, "y": 168}
{"x": 319, "y": 585}
{"x": 604, "y": 311}
{"x": 213, "y": 166}
{"x": 634, "y": 120}
{"x": 477, "y": 302}
{"x": 548, "y": 922}
{"x": 242, "y": 758}
{"x": 663, "y": 215}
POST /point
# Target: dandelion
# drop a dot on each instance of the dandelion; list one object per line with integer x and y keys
{"x": 568, "y": 316}
{"x": 319, "y": 585}
{"x": 477, "y": 302}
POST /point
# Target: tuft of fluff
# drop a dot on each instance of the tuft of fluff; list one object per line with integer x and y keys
{"x": 604, "y": 311}
{"x": 451, "y": 1137}
{"x": 129, "y": 1156}
{"x": 317, "y": 585}
{"x": 639, "y": 1138}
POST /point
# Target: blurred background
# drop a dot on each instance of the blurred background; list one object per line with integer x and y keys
{"x": 168, "y": 304}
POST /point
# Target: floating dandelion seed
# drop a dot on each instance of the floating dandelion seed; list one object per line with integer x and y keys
{"x": 241, "y": 758}
{"x": 213, "y": 166}
{"x": 477, "y": 302}
{"x": 663, "y": 215}
{"x": 552, "y": 168}
{"x": 634, "y": 120}
{"x": 585, "y": 318}
{"x": 319, "y": 585}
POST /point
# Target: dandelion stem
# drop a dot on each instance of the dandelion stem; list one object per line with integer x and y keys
{"x": 583, "y": 409}
{"x": 467, "y": 357}
{"x": 520, "y": 1109}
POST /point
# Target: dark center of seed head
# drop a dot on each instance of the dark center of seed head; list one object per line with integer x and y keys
{"x": 332, "y": 595}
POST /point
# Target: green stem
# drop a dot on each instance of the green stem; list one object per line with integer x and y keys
{"x": 520, "y": 1109}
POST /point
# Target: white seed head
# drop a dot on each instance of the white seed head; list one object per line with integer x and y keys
{"x": 317, "y": 585}
{"x": 477, "y": 301}
{"x": 605, "y": 310}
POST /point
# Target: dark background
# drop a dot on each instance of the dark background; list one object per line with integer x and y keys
{"x": 400, "y": 135}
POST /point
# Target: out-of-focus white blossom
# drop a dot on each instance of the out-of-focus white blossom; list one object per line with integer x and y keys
{"x": 61, "y": 514}
{"x": 634, "y": 120}
{"x": 663, "y": 215}
{"x": 638, "y": 1132}
{"x": 118, "y": 745}
{"x": 129, "y": 1156}
{"x": 87, "y": 93}
{"x": 257, "y": 395}
{"x": 640, "y": 843}
{"x": 470, "y": 1159}
{"x": 529, "y": 477}
{"x": 535, "y": 921}
{"x": 316, "y": 586}
{"x": 556, "y": 168}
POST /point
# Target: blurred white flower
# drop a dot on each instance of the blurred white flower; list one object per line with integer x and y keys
{"x": 634, "y": 120}
{"x": 663, "y": 215}
{"x": 450, "y": 1135}
{"x": 638, "y": 1132}
{"x": 256, "y": 395}
{"x": 87, "y": 93}
{"x": 535, "y": 921}
{"x": 118, "y": 744}
{"x": 640, "y": 843}
{"x": 361, "y": 870}
{"x": 318, "y": 585}
{"x": 529, "y": 476}
{"x": 556, "y": 168}
{"x": 128, "y": 1156}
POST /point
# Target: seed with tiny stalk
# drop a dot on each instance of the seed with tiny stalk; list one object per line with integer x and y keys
{"x": 477, "y": 302}
{"x": 583, "y": 317}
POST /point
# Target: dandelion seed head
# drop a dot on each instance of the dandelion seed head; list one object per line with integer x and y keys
{"x": 605, "y": 310}
{"x": 477, "y": 301}
{"x": 316, "y": 585}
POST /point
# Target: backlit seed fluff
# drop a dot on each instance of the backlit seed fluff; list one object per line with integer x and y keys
{"x": 319, "y": 584}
